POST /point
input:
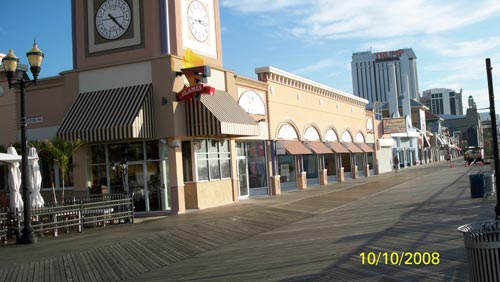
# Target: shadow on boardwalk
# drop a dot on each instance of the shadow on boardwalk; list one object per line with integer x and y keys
{"x": 317, "y": 234}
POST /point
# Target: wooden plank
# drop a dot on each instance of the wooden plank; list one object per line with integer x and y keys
{"x": 91, "y": 272}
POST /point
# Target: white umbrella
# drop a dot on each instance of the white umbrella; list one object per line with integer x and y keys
{"x": 35, "y": 179}
{"x": 16, "y": 201}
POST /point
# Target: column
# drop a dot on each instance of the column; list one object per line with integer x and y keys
{"x": 176, "y": 180}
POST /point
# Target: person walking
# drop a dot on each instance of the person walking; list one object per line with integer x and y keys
{"x": 395, "y": 163}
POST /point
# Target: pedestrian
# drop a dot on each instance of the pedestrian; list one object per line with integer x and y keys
{"x": 395, "y": 163}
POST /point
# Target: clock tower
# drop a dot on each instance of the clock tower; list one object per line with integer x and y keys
{"x": 108, "y": 32}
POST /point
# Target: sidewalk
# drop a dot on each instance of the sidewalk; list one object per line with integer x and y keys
{"x": 317, "y": 234}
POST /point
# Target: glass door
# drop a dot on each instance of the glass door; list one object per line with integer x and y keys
{"x": 136, "y": 186}
{"x": 243, "y": 176}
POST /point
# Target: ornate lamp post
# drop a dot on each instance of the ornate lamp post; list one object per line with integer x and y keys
{"x": 19, "y": 79}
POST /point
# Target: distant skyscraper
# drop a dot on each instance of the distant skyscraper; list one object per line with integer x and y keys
{"x": 373, "y": 79}
{"x": 442, "y": 101}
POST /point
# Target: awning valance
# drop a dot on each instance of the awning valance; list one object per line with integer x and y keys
{"x": 337, "y": 147}
{"x": 352, "y": 147}
{"x": 218, "y": 115}
{"x": 367, "y": 148}
{"x": 292, "y": 147}
{"x": 318, "y": 147}
{"x": 110, "y": 114}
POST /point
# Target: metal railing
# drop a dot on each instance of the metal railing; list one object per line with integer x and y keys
{"x": 76, "y": 214}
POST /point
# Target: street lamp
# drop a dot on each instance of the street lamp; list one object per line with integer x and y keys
{"x": 19, "y": 79}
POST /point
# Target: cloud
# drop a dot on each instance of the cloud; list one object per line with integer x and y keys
{"x": 317, "y": 66}
{"x": 468, "y": 48}
{"x": 334, "y": 19}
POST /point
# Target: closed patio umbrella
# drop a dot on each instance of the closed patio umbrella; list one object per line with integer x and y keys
{"x": 16, "y": 201}
{"x": 35, "y": 179}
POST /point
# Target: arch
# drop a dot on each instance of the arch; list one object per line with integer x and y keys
{"x": 312, "y": 133}
{"x": 359, "y": 138}
{"x": 287, "y": 131}
{"x": 346, "y": 137}
{"x": 252, "y": 103}
{"x": 331, "y": 135}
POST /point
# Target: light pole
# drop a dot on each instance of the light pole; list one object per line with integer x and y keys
{"x": 19, "y": 79}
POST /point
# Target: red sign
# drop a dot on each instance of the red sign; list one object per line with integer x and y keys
{"x": 390, "y": 54}
{"x": 187, "y": 93}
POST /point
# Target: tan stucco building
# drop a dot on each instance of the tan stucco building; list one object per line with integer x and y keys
{"x": 248, "y": 137}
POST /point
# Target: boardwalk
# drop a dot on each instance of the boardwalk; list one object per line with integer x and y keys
{"x": 313, "y": 235}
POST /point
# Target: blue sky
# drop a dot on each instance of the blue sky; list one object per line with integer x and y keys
{"x": 314, "y": 39}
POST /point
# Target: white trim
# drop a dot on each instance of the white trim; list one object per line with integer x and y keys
{"x": 270, "y": 69}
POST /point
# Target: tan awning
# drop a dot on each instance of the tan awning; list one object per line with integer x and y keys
{"x": 337, "y": 147}
{"x": 292, "y": 147}
{"x": 218, "y": 115}
{"x": 318, "y": 147}
{"x": 352, "y": 148}
{"x": 110, "y": 114}
{"x": 367, "y": 148}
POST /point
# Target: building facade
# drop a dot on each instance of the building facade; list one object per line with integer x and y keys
{"x": 163, "y": 120}
{"x": 442, "y": 101}
{"x": 384, "y": 76}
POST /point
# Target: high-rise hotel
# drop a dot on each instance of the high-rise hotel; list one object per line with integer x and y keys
{"x": 373, "y": 75}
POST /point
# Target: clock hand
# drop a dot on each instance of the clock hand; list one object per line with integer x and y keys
{"x": 202, "y": 22}
{"x": 116, "y": 22}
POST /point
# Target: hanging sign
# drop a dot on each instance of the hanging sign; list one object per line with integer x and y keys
{"x": 188, "y": 92}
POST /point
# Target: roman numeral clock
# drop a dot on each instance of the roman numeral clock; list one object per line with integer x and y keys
{"x": 113, "y": 24}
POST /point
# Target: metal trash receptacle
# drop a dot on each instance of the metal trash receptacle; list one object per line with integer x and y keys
{"x": 482, "y": 247}
{"x": 489, "y": 180}
{"x": 476, "y": 185}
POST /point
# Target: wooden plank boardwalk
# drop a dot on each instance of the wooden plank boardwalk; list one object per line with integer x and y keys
{"x": 313, "y": 235}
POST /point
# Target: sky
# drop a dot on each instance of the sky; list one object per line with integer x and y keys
{"x": 314, "y": 39}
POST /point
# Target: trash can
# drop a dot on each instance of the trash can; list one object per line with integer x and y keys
{"x": 476, "y": 185}
{"x": 482, "y": 246}
{"x": 489, "y": 187}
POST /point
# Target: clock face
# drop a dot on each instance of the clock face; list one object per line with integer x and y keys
{"x": 198, "y": 21}
{"x": 113, "y": 19}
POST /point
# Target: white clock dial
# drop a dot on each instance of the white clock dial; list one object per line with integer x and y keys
{"x": 113, "y": 19}
{"x": 198, "y": 21}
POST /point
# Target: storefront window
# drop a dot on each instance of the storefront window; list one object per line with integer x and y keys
{"x": 346, "y": 162}
{"x": 212, "y": 159}
{"x": 359, "y": 162}
{"x": 331, "y": 168}
{"x": 152, "y": 150}
{"x": 187, "y": 165}
{"x": 257, "y": 164}
{"x": 311, "y": 165}
{"x": 370, "y": 160}
{"x": 286, "y": 165}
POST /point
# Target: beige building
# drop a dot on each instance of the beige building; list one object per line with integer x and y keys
{"x": 149, "y": 129}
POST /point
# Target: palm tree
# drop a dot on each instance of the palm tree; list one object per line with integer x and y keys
{"x": 61, "y": 152}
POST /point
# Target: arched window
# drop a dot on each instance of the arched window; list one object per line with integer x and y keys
{"x": 346, "y": 136}
{"x": 331, "y": 136}
{"x": 252, "y": 103}
{"x": 287, "y": 132}
{"x": 311, "y": 134}
{"x": 359, "y": 138}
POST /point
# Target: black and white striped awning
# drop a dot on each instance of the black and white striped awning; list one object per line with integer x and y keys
{"x": 110, "y": 114}
{"x": 218, "y": 115}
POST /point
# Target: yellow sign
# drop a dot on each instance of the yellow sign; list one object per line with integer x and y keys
{"x": 191, "y": 59}
{"x": 394, "y": 125}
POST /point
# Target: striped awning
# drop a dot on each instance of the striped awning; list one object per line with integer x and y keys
{"x": 337, "y": 147}
{"x": 218, "y": 115}
{"x": 367, "y": 148}
{"x": 110, "y": 114}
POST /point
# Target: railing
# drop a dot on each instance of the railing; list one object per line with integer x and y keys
{"x": 71, "y": 215}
